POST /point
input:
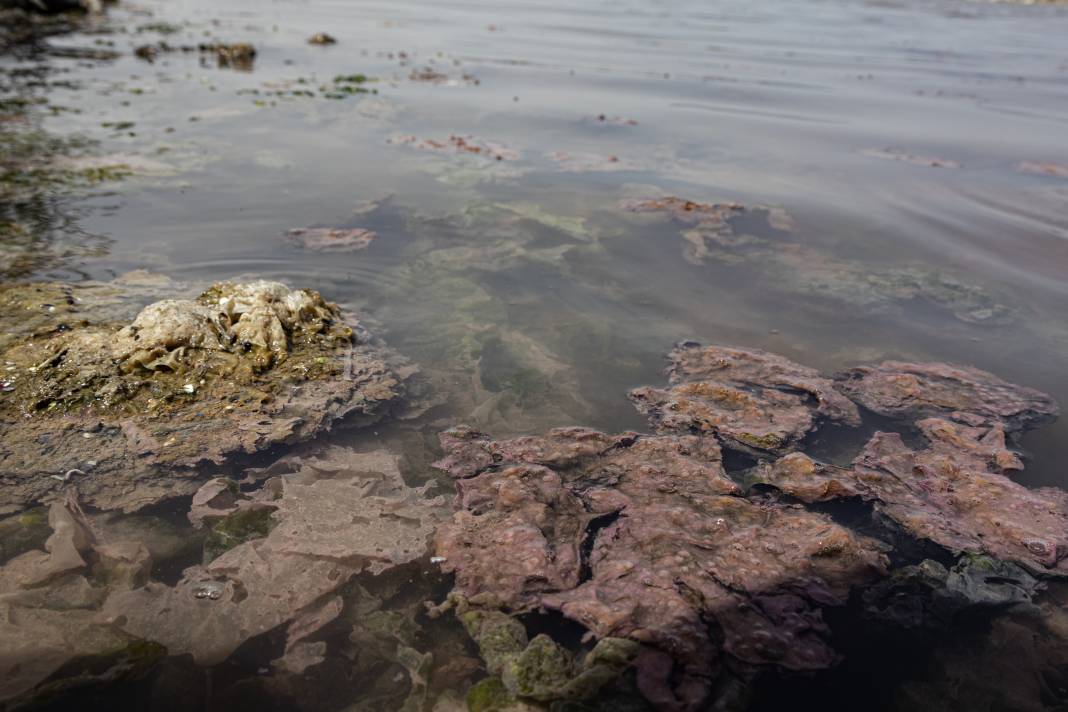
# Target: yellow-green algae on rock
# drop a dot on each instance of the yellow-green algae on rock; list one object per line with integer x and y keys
{"x": 132, "y": 412}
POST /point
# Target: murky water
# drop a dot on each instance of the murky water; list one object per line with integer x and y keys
{"x": 890, "y": 133}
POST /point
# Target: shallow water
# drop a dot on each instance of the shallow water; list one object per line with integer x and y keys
{"x": 519, "y": 285}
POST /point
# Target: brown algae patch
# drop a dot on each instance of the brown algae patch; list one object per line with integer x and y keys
{"x": 130, "y": 411}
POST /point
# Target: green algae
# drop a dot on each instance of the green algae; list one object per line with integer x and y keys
{"x": 237, "y": 528}
{"x": 538, "y": 669}
{"x": 23, "y": 532}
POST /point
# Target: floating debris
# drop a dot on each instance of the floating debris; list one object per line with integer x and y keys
{"x": 751, "y": 400}
{"x": 428, "y": 75}
{"x": 590, "y": 163}
{"x": 1054, "y": 170}
{"x": 615, "y": 120}
{"x": 460, "y": 145}
{"x": 239, "y": 55}
{"x": 897, "y": 154}
{"x": 326, "y": 239}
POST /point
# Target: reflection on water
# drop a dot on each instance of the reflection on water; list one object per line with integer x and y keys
{"x": 874, "y": 150}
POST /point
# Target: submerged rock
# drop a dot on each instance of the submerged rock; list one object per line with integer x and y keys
{"x": 710, "y": 226}
{"x": 49, "y": 607}
{"x": 646, "y": 538}
{"x": 915, "y": 390}
{"x": 337, "y": 515}
{"x": 132, "y": 412}
{"x": 928, "y": 595}
{"x": 952, "y": 493}
{"x": 751, "y": 400}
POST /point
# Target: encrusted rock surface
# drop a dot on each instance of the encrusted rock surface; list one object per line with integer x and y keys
{"x": 915, "y": 390}
{"x": 672, "y": 545}
{"x": 952, "y": 493}
{"x": 751, "y": 400}
{"x": 132, "y": 412}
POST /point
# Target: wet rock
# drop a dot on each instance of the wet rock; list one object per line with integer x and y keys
{"x": 132, "y": 413}
{"x": 646, "y": 538}
{"x": 914, "y": 390}
{"x": 54, "y": 6}
{"x": 929, "y": 596}
{"x": 338, "y": 515}
{"x": 751, "y": 400}
{"x": 951, "y": 493}
{"x": 326, "y": 239}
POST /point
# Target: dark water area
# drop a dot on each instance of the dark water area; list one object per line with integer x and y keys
{"x": 900, "y": 162}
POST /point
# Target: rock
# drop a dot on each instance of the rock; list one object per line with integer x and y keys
{"x": 322, "y": 38}
{"x": 930, "y": 596}
{"x": 671, "y": 546}
{"x": 751, "y": 400}
{"x": 329, "y": 524}
{"x": 951, "y": 493}
{"x": 133, "y": 413}
{"x": 54, "y": 6}
{"x": 915, "y": 390}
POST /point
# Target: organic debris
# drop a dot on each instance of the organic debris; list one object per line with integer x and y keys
{"x": 132, "y": 412}
{"x": 751, "y": 400}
